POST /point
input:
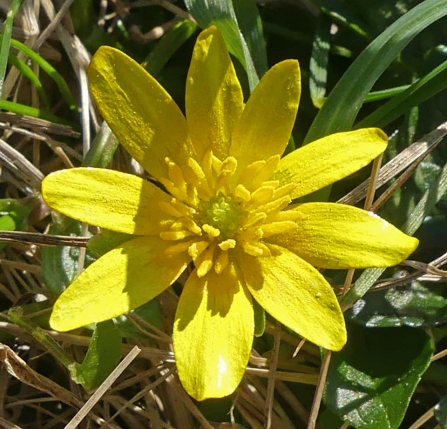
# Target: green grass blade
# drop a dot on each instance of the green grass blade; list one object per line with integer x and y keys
{"x": 167, "y": 46}
{"x": 26, "y": 71}
{"x": 21, "y": 109}
{"x": 344, "y": 102}
{"x": 48, "y": 69}
{"x": 420, "y": 91}
{"x": 6, "y": 40}
{"x": 222, "y": 14}
{"x": 319, "y": 61}
{"x": 251, "y": 26}
{"x": 102, "y": 149}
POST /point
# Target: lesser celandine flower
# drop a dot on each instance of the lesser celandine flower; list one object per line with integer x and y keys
{"x": 225, "y": 209}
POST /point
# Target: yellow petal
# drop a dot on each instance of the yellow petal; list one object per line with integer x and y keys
{"x": 329, "y": 159}
{"x": 143, "y": 116}
{"x": 297, "y": 295}
{"x": 125, "y": 278}
{"x": 339, "y": 236}
{"x": 214, "y": 99}
{"x": 213, "y": 333}
{"x": 266, "y": 123}
{"x": 106, "y": 198}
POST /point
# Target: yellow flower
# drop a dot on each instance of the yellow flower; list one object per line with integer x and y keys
{"x": 225, "y": 208}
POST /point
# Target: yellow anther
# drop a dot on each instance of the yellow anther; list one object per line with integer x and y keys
{"x": 175, "y": 235}
{"x": 227, "y": 244}
{"x": 196, "y": 248}
{"x": 211, "y": 231}
{"x": 221, "y": 262}
{"x": 242, "y": 192}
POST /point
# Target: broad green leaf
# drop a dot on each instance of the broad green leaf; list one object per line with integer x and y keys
{"x": 371, "y": 381}
{"x": 417, "y": 304}
{"x": 60, "y": 263}
{"x": 102, "y": 356}
{"x": 346, "y": 99}
{"x": 107, "y": 240}
{"x": 150, "y": 312}
{"x": 13, "y": 216}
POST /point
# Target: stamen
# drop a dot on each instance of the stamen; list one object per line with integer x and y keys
{"x": 211, "y": 231}
{"x": 262, "y": 195}
{"x": 274, "y": 228}
{"x": 275, "y": 205}
{"x": 192, "y": 226}
{"x": 256, "y": 249}
{"x": 196, "y": 248}
{"x": 204, "y": 262}
{"x": 179, "y": 248}
{"x": 169, "y": 209}
{"x": 242, "y": 192}
{"x": 293, "y": 215}
{"x": 175, "y": 235}
{"x": 221, "y": 262}
{"x": 227, "y": 244}
{"x": 255, "y": 219}
{"x": 227, "y": 171}
{"x": 261, "y": 173}
{"x": 251, "y": 170}
{"x": 284, "y": 190}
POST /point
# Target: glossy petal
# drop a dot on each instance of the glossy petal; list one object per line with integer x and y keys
{"x": 266, "y": 123}
{"x": 125, "y": 278}
{"x": 340, "y": 236}
{"x": 214, "y": 99}
{"x": 143, "y": 116}
{"x": 297, "y": 295}
{"x": 330, "y": 159}
{"x": 213, "y": 333}
{"x": 106, "y": 198}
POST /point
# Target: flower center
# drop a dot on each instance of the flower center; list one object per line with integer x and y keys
{"x": 223, "y": 213}
{"x": 216, "y": 208}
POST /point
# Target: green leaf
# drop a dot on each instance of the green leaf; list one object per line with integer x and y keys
{"x": 150, "y": 312}
{"x": 60, "y": 263}
{"x": 48, "y": 69}
{"x": 102, "y": 356}
{"x": 102, "y": 149}
{"x": 107, "y": 240}
{"x": 417, "y": 304}
{"x": 424, "y": 89}
{"x": 371, "y": 381}
{"x": 22, "y": 109}
{"x": 221, "y": 13}
{"x": 13, "y": 216}
{"x": 5, "y": 40}
{"x": 346, "y": 99}
{"x": 319, "y": 61}
{"x": 167, "y": 46}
